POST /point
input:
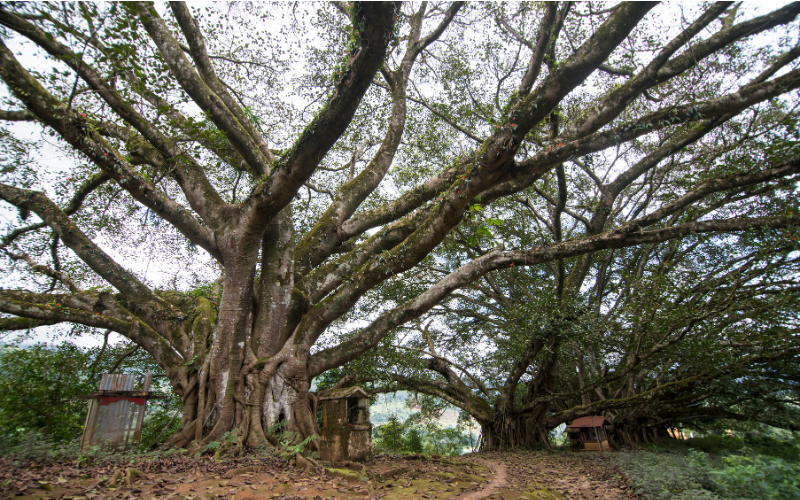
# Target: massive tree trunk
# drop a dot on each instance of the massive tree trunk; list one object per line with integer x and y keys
{"x": 521, "y": 424}
{"x": 514, "y": 431}
{"x": 241, "y": 384}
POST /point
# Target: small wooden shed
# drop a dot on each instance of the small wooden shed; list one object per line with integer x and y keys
{"x": 589, "y": 432}
{"x": 116, "y": 411}
{"x": 346, "y": 433}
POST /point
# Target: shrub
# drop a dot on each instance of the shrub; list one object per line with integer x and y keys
{"x": 413, "y": 441}
{"x": 758, "y": 477}
{"x": 665, "y": 476}
{"x": 163, "y": 418}
{"x": 39, "y": 386}
{"x": 36, "y": 447}
{"x": 762, "y": 444}
{"x": 389, "y": 436}
{"x": 685, "y": 473}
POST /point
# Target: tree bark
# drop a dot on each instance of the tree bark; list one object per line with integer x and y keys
{"x": 512, "y": 431}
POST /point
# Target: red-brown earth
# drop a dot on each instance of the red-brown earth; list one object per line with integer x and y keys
{"x": 506, "y": 476}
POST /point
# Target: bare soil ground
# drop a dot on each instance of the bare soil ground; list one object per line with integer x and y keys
{"x": 496, "y": 476}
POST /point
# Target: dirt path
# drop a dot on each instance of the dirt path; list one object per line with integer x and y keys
{"x": 495, "y": 476}
{"x": 540, "y": 475}
{"x": 497, "y": 482}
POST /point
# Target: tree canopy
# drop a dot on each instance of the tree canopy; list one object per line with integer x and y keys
{"x": 593, "y": 206}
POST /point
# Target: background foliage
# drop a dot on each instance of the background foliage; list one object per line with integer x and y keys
{"x": 40, "y": 385}
{"x": 763, "y": 465}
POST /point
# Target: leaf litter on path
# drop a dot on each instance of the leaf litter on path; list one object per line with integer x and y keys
{"x": 497, "y": 475}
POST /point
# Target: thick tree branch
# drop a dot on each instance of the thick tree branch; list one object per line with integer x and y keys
{"x": 92, "y": 183}
{"x": 13, "y": 324}
{"x": 629, "y": 235}
{"x": 198, "y": 90}
{"x": 397, "y": 260}
{"x": 532, "y": 168}
{"x": 434, "y": 35}
{"x": 49, "y": 312}
{"x": 498, "y": 152}
{"x": 136, "y": 293}
{"x": 662, "y": 69}
{"x": 17, "y": 116}
{"x": 500, "y": 148}
{"x": 542, "y": 101}
{"x": 448, "y": 213}
{"x": 540, "y": 50}
{"x": 73, "y": 129}
{"x": 463, "y": 370}
{"x": 197, "y": 49}
{"x": 440, "y": 389}
{"x": 731, "y": 103}
{"x": 296, "y": 166}
{"x": 190, "y": 176}
{"x": 717, "y": 185}
{"x": 325, "y": 237}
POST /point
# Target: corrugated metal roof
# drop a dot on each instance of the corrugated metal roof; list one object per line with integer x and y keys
{"x": 587, "y": 422}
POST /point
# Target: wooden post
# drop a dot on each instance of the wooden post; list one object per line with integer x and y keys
{"x": 596, "y": 435}
{"x": 88, "y": 427}
{"x": 137, "y": 430}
